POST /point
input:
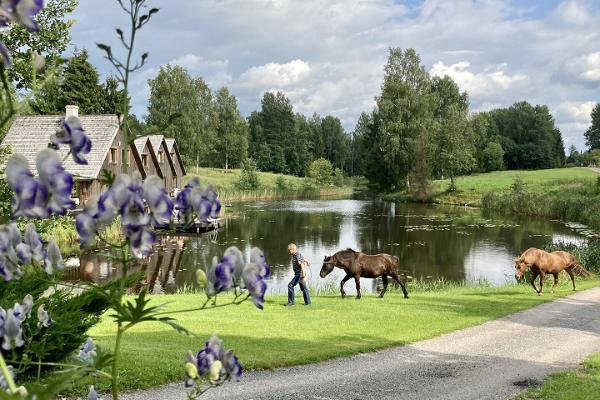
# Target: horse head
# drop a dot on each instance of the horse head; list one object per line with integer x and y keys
{"x": 328, "y": 265}
{"x": 520, "y": 267}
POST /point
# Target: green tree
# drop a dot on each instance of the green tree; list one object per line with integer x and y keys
{"x": 357, "y": 149}
{"x": 405, "y": 111}
{"x": 249, "y": 177}
{"x": 50, "y": 42}
{"x": 112, "y": 97}
{"x": 529, "y": 137}
{"x": 453, "y": 138}
{"x": 232, "y": 132}
{"x": 592, "y": 135}
{"x": 492, "y": 157}
{"x": 173, "y": 91}
{"x": 335, "y": 141}
{"x": 76, "y": 83}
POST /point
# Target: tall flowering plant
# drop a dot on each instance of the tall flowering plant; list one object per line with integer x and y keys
{"x": 140, "y": 206}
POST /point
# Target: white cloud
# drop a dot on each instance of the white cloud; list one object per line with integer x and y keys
{"x": 575, "y": 111}
{"x": 214, "y": 72}
{"x": 275, "y": 74}
{"x": 489, "y": 81}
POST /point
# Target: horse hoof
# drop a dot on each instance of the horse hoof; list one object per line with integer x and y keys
{"x": 406, "y": 296}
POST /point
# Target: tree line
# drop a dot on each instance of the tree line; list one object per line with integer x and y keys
{"x": 421, "y": 127}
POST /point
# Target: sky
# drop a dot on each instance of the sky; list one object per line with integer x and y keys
{"x": 327, "y": 56}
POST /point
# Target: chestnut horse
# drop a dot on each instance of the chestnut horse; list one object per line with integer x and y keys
{"x": 541, "y": 263}
{"x": 357, "y": 265}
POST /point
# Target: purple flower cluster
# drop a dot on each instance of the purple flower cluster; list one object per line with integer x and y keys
{"x": 21, "y": 12}
{"x": 128, "y": 198}
{"x": 212, "y": 362}
{"x": 232, "y": 271}
{"x": 195, "y": 203}
{"x": 16, "y": 252}
{"x": 49, "y": 194}
{"x": 11, "y": 320}
{"x": 73, "y": 134}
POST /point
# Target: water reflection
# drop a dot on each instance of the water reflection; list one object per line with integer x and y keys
{"x": 455, "y": 243}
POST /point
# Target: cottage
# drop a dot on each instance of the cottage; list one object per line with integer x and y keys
{"x": 165, "y": 162}
{"x": 147, "y": 155}
{"x": 173, "y": 150}
{"x": 30, "y": 134}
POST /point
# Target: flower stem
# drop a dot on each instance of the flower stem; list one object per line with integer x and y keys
{"x": 7, "y": 375}
{"x": 115, "y": 377}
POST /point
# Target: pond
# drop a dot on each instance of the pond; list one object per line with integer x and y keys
{"x": 454, "y": 243}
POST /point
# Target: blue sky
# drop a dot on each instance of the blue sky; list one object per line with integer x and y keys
{"x": 328, "y": 55}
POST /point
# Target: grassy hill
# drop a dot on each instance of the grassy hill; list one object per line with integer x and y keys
{"x": 271, "y": 185}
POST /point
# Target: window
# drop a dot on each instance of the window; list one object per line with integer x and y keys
{"x": 113, "y": 155}
{"x": 160, "y": 156}
{"x": 145, "y": 160}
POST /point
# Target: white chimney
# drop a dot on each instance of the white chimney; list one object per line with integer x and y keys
{"x": 72, "y": 111}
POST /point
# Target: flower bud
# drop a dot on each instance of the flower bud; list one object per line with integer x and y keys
{"x": 191, "y": 370}
{"x": 214, "y": 373}
{"x": 201, "y": 278}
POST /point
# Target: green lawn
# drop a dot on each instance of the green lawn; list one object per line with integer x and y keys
{"x": 583, "y": 384}
{"x": 225, "y": 182}
{"x": 331, "y": 327}
{"x": 471, "y": 188}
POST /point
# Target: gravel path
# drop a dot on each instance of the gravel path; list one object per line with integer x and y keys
{"x": 495, "y": 360}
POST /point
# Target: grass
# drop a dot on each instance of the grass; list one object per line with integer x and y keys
{"x": 330, "y": 327}
{"x": 582, "y": 384}
{"x": 225, "y": 182}
{"x": 471, "y": 188}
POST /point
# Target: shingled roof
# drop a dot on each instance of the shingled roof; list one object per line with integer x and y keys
{"x": 140, "y": 143}
{"x": 28, "y": 135}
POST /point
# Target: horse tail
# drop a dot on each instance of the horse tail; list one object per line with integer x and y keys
{"x": 577, "y": 267}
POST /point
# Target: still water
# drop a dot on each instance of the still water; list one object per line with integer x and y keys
{"x": 454, "y": 243}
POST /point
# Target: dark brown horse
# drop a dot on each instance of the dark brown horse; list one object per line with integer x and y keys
{"x": 541, "y": 263}
{"x": 357, "y": 265}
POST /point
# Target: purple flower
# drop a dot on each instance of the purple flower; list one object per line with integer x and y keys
{"x": 4, "y": 54}
{"x": 220, "y": 276}
{"x": 212, "y": 362}
{"x": 13, "y": 374}
{"x": 73, "y": 134}
{"x": 193, "y": 202}
{"x": 256, "y": 285}
{"x": 34, "y": 241}
{"x": 27, "y": 305}
{"x": 11, "y": 331}
{"x": 43, "y": 317}
{"x": 235, "y": 258}
{"x": 258, "y": 257}
{"x": 159, "y": 202}
{"x": 30, "y": 196}
{"x": 58, "y": 182}
{"x": 21, "y": 11}
{"x": 85, "y": 223}
{"x": 92, "y": 394}
{"x": 53, "y": 257}
{"x": 88, "y": 350}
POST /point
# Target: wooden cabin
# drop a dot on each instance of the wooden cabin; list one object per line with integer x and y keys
{"x": 173, "y": 150}
{"x": 165, "y": 162}
{"x": 30, "y": 134}
{"x": 147, "y": 155}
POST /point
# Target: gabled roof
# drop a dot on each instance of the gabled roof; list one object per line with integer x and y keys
{"x": 29, "y": 134}
{"x": 157, "y": 141}
{"x": 138, "y": 160}
{"x": 172, "y": 145}
{"x": 140, "y": 143}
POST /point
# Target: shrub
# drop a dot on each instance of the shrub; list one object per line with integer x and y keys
{"x": 493, "y": 157}
{"x": 249, "y": 177}
{"x": 281, "y": 183}
{"x": 322, "y": 171}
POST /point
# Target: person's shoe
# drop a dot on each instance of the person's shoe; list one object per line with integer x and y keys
{"x": 290, "y": 304}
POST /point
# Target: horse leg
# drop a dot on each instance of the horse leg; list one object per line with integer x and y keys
{"x": 394, "y": 275}
{"x": 357, "y": 281}
{"x": 348, "y": 276}
{"x": 570, "y": 272}
{"x": 534, "y": 275}
{"x": 542, "y": 278}
{"x": 385, "y": 284}
{"x": 555, "y": 282}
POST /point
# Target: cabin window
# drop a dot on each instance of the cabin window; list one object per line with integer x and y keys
{"x": 145, "y": 160}
{"x": 160, "y": 156}
{"x": 113, "y": 155}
